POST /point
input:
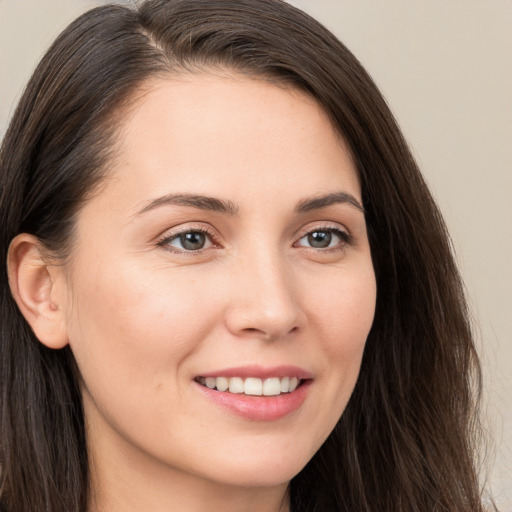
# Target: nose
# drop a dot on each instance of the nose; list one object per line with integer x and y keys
{"x": 265, "y": 303}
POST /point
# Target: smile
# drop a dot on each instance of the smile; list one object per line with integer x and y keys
{"x": 252, "y": 386}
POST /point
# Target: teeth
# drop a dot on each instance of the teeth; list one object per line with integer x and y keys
{"x": 272, "y": 386}
{"x": 294, "y": 382}
{"x": 221, "y": 383}
{"x": 253, "y": 386}
{"x": 236, "y": 385}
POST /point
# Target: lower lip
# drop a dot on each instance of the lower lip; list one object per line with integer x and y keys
{"x": 260, "y": 408}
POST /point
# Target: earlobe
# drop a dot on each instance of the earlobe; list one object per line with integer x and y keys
{"x": 36, "y": 288}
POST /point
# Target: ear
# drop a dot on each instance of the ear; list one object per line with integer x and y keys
{"x": 39, "y": 290}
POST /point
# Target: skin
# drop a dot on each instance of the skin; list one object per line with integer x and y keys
{"x": 144, "y": 316}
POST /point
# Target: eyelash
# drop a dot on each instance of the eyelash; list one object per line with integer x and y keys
{"x": 345, "y": 237}
{"x": 167, "y": 239}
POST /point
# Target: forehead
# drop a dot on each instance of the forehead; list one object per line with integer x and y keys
{"x": 228, "y": 134}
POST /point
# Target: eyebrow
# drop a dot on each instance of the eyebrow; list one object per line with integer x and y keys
{"x": 228, "y": 207}
{"x": 317, "y": 203}
{"x": 194, "y": 200}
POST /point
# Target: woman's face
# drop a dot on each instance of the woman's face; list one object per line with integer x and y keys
{"x": 227, "y": 248}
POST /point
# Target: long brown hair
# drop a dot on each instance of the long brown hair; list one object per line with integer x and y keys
{"x": 407, "y": 438}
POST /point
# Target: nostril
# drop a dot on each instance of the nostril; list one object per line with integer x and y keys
{"x": 259, "y": 318}
{"x": 253, "y": 331}
{"x": 268, "y": 335}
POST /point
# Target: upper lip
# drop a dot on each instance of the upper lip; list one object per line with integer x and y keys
{"x": 262, "y": 372}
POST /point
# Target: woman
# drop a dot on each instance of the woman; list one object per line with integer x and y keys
{"x": 229, "y": 287}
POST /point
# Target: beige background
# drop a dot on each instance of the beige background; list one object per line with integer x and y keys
{"x": 446, "y": 70}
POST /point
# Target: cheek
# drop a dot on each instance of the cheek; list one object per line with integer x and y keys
{"x": 343, "y": 309}
{"x": 343, "y": 316}
{"x": 127, "y": 324}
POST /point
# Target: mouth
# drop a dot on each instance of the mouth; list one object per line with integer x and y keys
{"x": 257, "y": 393}
{"x": 252, "y": 386}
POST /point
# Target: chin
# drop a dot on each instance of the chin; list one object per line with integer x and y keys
{"x": 276, "y": 469}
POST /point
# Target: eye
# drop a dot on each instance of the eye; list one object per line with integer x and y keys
{"x": 188, "y": 241}
{"x": 324, "y": 238}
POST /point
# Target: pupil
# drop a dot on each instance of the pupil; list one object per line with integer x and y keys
{"x": 193, "y": 241}
{"x": 320, "y": 239}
